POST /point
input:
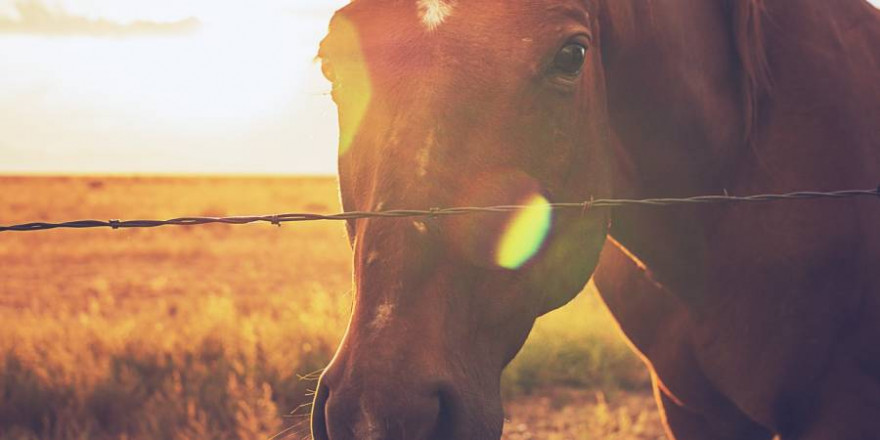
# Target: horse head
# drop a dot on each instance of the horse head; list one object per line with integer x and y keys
{"x": 453, "y": 103}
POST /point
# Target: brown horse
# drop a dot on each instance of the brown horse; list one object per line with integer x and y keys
{"x": 755, "y": 320}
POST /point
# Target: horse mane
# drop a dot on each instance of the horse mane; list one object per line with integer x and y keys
{"x": 747, "y": 17}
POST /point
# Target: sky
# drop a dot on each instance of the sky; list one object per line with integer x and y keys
{"x": 165, "y": 86}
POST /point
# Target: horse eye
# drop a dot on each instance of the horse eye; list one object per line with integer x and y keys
{"x": 570, "y": 59}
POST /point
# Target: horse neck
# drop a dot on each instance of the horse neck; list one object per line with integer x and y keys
{"x": 690, "y": 121}
{"x": 819, "y": 121}
{"x": 686, "y": 132}
{"x": 674, "y": 94}
{"x": 677, "y": 112}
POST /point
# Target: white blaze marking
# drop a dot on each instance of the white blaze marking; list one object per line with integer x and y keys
{"x": 423, "y": 156}
{"x": 383, "y": 315}
{"x": 422, "y": 159}
{"x": 421, "y": 227}
{"x": 434, "y": 12}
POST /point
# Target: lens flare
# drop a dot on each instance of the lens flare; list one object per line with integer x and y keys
{"x": 525, "y": 234}
{"x": 352, "y": 90}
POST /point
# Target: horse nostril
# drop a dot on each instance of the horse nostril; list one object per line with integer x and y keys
{"x": 448, "y": 407}
{"x": 319, "y": 414}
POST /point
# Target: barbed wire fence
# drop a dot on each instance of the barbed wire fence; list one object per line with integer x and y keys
{"x": 278, "y": 219}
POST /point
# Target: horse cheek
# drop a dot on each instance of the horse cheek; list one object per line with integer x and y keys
{"x": 568, "y": 261}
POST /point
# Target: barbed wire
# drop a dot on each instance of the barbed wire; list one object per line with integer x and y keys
{"x": 278, "y": 219}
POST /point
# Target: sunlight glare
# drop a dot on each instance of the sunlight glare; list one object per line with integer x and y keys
{"x": 354, "y": 90}
{"x": 525, "y": 234}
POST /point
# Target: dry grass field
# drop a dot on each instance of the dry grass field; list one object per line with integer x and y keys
{"x": 218, "y": 332}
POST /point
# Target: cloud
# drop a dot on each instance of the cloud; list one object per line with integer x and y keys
{"x": 35, "y": 18}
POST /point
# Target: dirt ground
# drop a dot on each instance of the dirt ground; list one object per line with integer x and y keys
{"x": 566, "y": 414}
{"x": 569, "y": 414}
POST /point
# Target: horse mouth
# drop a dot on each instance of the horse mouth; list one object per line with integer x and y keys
{"x": 443, "y": 418}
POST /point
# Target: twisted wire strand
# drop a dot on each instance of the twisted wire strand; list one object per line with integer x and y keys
{"x": 278, "y": 219}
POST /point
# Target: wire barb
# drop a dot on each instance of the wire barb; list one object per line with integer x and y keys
{"x": 585, "y": 206}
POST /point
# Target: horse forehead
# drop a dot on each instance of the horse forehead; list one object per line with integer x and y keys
{"x": 416, "y": 35}
{"x": 424, "y": 17}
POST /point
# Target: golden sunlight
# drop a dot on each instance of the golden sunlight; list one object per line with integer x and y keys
{"x": 355, "y": 87}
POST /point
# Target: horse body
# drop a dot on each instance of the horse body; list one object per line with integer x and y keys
{"x": 755, "y": 320}
{"x": 773, "y": 307}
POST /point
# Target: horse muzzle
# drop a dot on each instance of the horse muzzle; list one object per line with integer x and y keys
{"x": 392, "y": 409}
